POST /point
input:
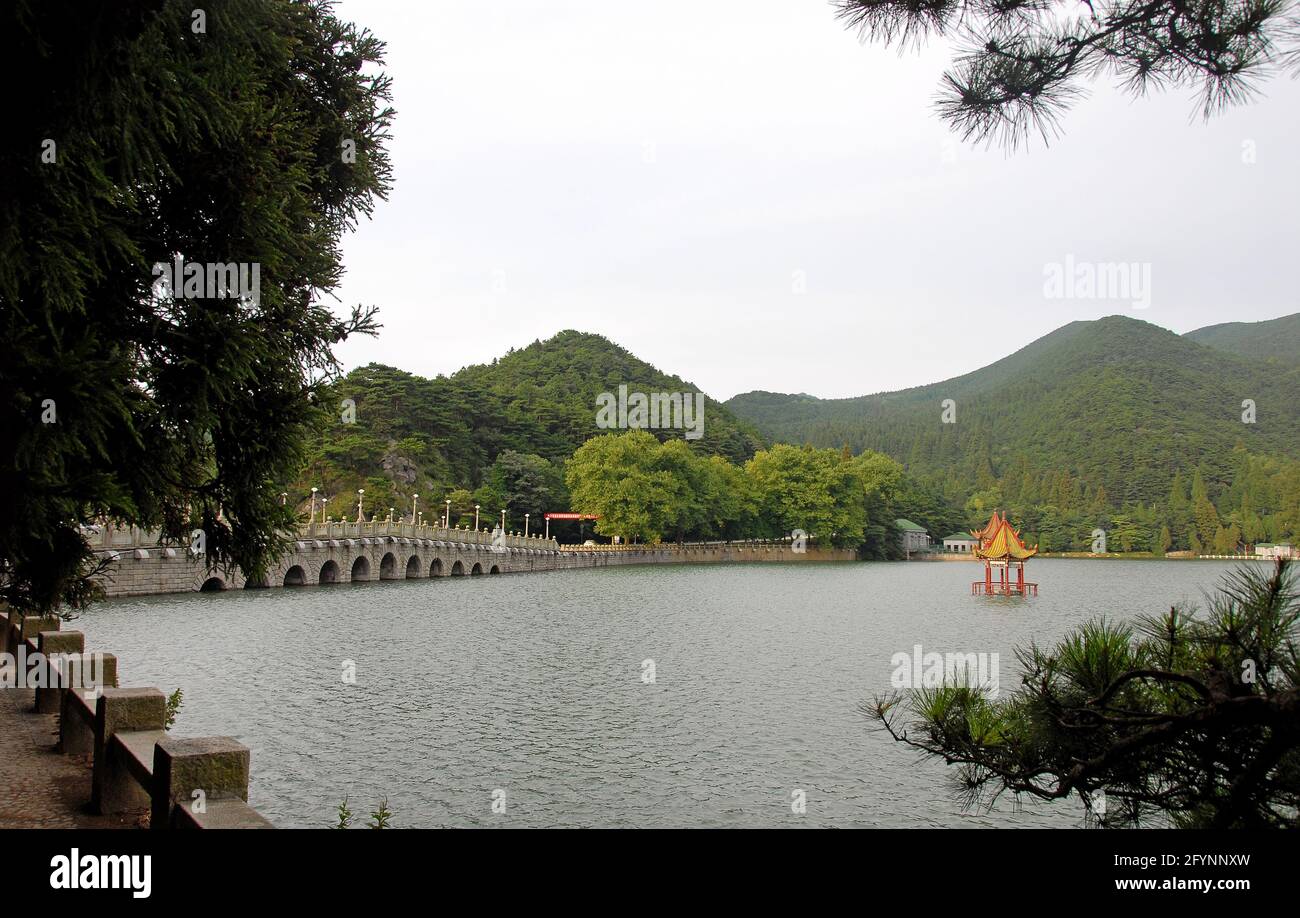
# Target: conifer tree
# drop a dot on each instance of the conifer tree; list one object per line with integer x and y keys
{"x": 1187, "y": 718}
{"x": 249, "y": 133}
{"x": 1020, "y": 63}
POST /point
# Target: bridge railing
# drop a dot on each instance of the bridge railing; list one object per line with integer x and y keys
{"x": 374, "y": 529}
{"x": 739, "y": 544}
{"x": 107, "y": 537}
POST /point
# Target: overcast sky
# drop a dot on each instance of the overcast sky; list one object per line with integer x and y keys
{"x": 672, "y": 175}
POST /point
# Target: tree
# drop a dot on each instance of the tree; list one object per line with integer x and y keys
{"x": 1125, "y": 534}
{"x": 730, "y": 506}
{"x": 882, "y": 483}
{"x": 1020, "y": 63}
{"x": 253, "y": 139}
{"x": 462, "y": 508}
{"x": 616, "y": 477}
{"x": 1189, "y": 717}
{"x": 1207, "y": 518}
{"x": 528, "y": 484}
{"x": 815, "y": 490}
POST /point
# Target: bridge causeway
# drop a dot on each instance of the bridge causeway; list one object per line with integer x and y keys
{"x": 142, "y": 564}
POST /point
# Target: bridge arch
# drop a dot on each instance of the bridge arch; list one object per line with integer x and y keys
{"x": 213, "y": 585}
{"x": 494, "y": 570}
{"x": 329, "y": 572}
{"x": 476, "y": 570}
{"x": 414, "y": 568}
{"x": 458, "y": 569}
{"x": 388, "y": 567}
{"x": 361, "y": 569}
{"x": 435, "y": 567}
{"x": 295, "y": 576}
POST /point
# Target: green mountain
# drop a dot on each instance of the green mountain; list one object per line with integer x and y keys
{"x": 1102, "y": 413}
{"x": 1276, "y": 340}
{"x": 1114, "y": 424}
{"x": 494, "y": 429}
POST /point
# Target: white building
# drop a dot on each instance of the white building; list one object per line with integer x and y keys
{"x": 960, "y": 543}
{"x": 1277, "y": 550}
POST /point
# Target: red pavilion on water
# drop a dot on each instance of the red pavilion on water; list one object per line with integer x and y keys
{"x": 1002, "y": 551}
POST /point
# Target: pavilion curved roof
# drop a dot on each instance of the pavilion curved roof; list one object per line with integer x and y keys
{"x": 1000, "y": 542}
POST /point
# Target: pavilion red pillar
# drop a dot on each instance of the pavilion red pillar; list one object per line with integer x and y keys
{"x": 988, "y": 577}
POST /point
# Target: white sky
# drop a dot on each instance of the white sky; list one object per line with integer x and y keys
{"x": 657, "y": 173}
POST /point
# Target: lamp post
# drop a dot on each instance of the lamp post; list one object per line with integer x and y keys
{"x": 446, "y": 520}
{"x": 476, "y": 517}
{"x": 312, "y": 520}
{"x": 361, "y": 505}
{"x": 526, "y": 515}
{"x": 548, "y": 528}
{"x": 390, "y": 515}
{"x": 415, "y": 501}
{"x": 503, "y": 522}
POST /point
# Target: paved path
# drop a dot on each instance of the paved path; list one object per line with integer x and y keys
{"x": 39, "y": 787}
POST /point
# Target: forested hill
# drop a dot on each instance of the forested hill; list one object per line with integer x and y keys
{"x": 558, "y": 380}
{"x": 1276, "y": 340}
{"x": 1100, "y": 413}
{"x": 517, "y": 418}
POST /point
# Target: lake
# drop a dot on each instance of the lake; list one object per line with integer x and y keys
{"x": 534, "y": 691}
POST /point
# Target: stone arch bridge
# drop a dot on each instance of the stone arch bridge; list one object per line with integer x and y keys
{"x": 325, "y": 553}
{"x": 141, "y": 563}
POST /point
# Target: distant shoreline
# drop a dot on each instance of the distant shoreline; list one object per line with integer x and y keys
{"x": 1107, "y": 556}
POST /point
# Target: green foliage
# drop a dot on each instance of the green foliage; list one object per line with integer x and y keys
{"x": 619, "y": 478}
{"x": 381, "y": 817}
{"x": 501, "y": 431}
{"x": 345, "y": 815}
{"x": 175, "y": 701}
{"x": 1276, "y": 340}
{"x": 170, "y": 411}
{"x": 818, "y": 491}
{"x": 1185, "y": 717}
{"x": 1100, "y": 424}
{"x": 1020, "y": 64}
{"x": 644, "y": 490}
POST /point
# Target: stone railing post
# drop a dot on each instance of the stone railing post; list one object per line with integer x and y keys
{"x": 193, "y": 775}
{"x": 113, "y": 788}
{"x": 30, "y": 627}
{"x": 84, "y": 675}
{"x": 49, "y": 700}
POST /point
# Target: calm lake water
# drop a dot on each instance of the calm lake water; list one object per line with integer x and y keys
{"x": 532, "y": 685}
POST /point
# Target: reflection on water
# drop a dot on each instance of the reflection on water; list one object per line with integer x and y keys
{"x": 534, "y": 688}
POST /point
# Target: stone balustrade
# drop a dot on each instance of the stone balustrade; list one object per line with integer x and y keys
{"x": 106, "y": 538}
{"x": 353, "y": 552}
{"x": 766, "y": 545}
{"x": 136, "y": 765}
